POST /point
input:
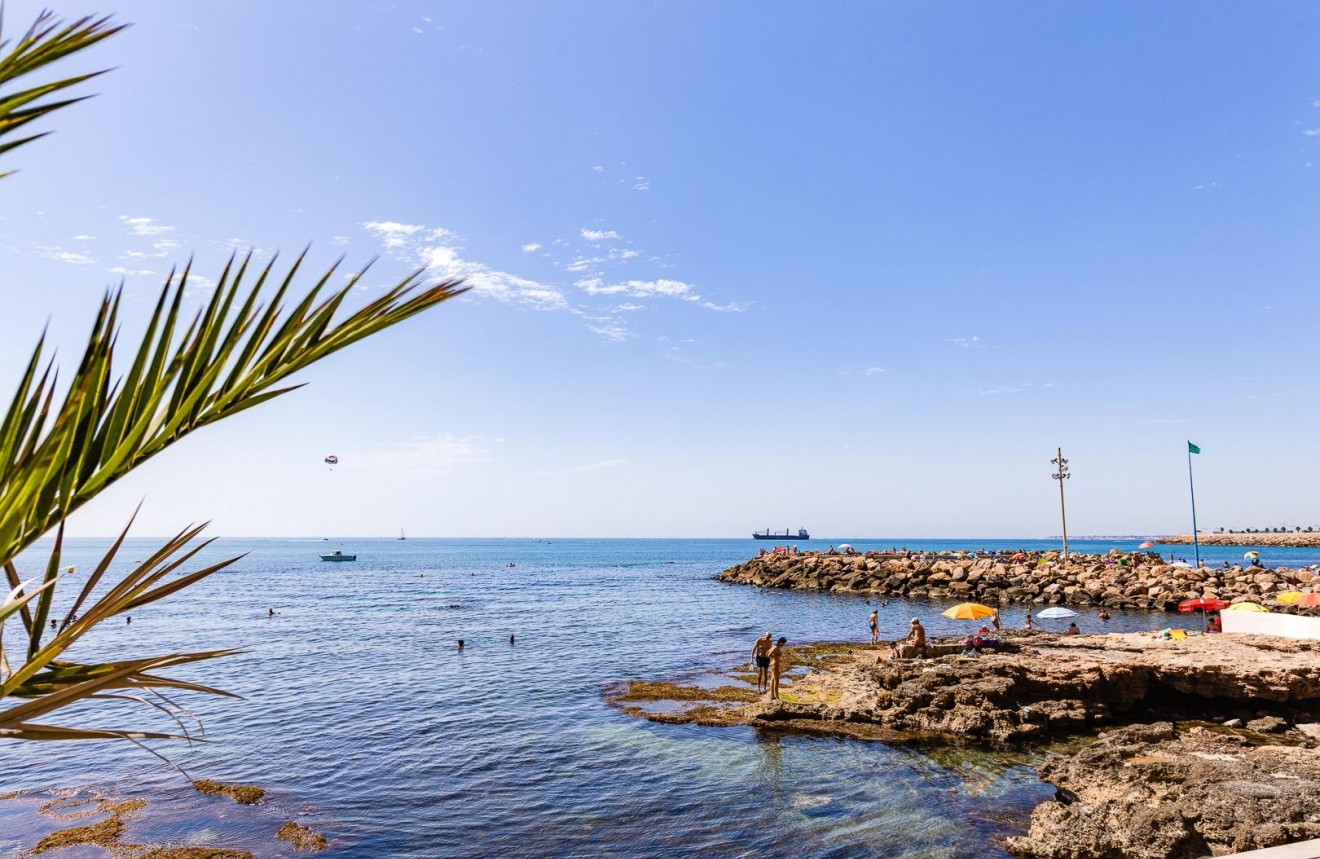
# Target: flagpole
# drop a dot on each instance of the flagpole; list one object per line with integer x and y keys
{"x": 1196, "y": 542}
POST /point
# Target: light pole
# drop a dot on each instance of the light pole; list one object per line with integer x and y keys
{"x": 1062, "y": 475}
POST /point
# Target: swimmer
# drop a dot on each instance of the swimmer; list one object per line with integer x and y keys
{"x": 511, "y": 638}
{"x": 460, "y": 644}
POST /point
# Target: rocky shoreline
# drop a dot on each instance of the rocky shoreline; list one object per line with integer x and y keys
{"x": 1294, "y": 540}
{"x": 1212, "y": 722}
{"x": 1140, "y": 580}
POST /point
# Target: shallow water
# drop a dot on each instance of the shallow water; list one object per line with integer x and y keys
{"x": 364, "y": 721}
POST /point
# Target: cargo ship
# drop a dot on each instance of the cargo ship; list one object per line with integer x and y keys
{"x": 767, "y": 534}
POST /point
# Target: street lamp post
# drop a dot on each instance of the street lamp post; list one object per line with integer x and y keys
{"x": 1062, "y": 475}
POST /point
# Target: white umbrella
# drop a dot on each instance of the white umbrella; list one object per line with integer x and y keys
{"x": 844, "y": 547}
{"x": 1056, "y": 612}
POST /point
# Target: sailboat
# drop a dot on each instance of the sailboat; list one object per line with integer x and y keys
{"x": 401, "y": 537}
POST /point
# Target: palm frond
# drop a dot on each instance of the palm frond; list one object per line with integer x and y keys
{"x": 53, "y": 459}
{"x": 48, "y": 40}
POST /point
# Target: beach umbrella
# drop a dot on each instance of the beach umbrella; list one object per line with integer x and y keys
{"x": 1146, "y": 545}
{"x": 1288, "y": 597}
{"x": 968, "y": 611}
{"x": 1203, "y": 605}
{"x": 1247, "y": 606}
{"x": 1247, "y": 556}
{"x": 1308, "y": 599}
{"x": 843, "y": 547}
{"x": 1056, "y": 612}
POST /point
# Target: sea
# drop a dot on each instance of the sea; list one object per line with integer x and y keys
{"x": 363, "y": 720}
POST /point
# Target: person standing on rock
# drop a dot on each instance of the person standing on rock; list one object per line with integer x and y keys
{"x": 874, "y": 621}
{"x": 761, "y": 656}
{"x": 994, "y": 619}
{"x": 777, "y": 656}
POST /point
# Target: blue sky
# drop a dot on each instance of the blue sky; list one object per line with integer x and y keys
{"x": 858, "y": 267}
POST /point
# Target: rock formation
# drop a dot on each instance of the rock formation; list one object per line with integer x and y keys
{"x": 1139, "y": 581}
{"x": 1164, "y": 792}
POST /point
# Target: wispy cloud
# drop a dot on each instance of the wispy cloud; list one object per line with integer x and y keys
{"x": 62, "y": 255}
{"x": 642, "y": 184}
{"x": 972, "y": 342}
{"x": 131, "y": 272}
{"x": 639, "y": 288}
{"x": 392, "y": 233}
{"x": 874, "y": 371}
{"x": 598, "y": 168}
{"x": 429, "y": 453}
{"x": 531, "y": 247}
{"x": 1311, "y": 132}
{"x": 591, "y": 466}
{"x": 140, "y": 226}
{"x": 599, "y": 235}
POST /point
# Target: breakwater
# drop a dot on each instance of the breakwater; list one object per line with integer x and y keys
{"x": 1294, "y": 540}
{"x": 1136, "y": 581}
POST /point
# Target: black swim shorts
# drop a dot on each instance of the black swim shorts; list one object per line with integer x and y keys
{"x": 763, "y": 662}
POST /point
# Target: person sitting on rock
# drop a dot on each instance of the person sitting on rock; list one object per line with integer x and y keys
{"x": 1073, "y": 630}
{"x": 917, "y": 637}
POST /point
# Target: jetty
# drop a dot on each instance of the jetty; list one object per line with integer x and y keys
{"x": 1294, "y": 540}
{"x": 1140, "y": 580}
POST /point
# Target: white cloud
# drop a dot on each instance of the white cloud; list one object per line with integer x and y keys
{"x": 622, "y": 253}
{"x": 61, "y": 255}
{"x": 972, "y": 342}
{"x": 643, "y": 185}
{"x": 531, "y": 247}
{"x": 599, "y": 168}
{"x": 340, "y": 240}
{"x": 610, "y": 331}
{"x": 392, "y": 233}
{"x": 434, "y": 453}
{"x": 731, "y": 307}
{"x": 874, "y": 371}
{"x": 84, "y": 238}
{"x": 1003, "y": 389}
{"x": 131, "y": 272}
{"x": 599, "y": 235}
{"x": 627, "y": 308}
{"x": 417, "y": 30}
{"x": 1311, "y": 132}
{"x": 144, "y": 226}
{"x": 639, "y": 288}
{"x": 445, "y": 261}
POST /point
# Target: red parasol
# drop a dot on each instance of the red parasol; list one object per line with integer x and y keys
{"x": 1308, "y": 599}
{"x": 1203, "y": 604}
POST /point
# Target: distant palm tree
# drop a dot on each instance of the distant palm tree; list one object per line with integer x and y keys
{"x": 189, "y": 370}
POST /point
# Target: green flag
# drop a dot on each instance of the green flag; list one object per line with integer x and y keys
{"x": 1191, "y": 448}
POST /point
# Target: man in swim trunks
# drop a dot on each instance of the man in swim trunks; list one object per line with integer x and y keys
{"x": 761, "y": 656}
{"x": 777, "y": 657}
{"x": 875, "y": 625}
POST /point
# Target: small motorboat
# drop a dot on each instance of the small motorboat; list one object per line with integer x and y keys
{"x": 337, "y": 555}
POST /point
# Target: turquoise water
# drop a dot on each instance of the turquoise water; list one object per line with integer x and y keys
{"x": 364, "y": 721}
